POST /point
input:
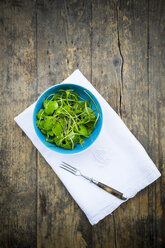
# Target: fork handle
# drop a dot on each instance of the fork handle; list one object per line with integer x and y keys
{"x": 109, "y": 189}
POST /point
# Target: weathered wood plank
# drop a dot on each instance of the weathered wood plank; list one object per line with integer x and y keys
{"x": 18, "y": 80}
{"x": 138, "y": 109}
{"x": 132, "y": 218}
{"x": 156, "y": 113}
{"x": 63, "y": 45}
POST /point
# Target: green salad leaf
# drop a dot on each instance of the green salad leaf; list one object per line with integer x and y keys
{"x": 66, "y": 119}
{"x": 50, "y": 106}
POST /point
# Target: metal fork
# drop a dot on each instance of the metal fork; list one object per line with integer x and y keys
{"x": 76, "y": 172}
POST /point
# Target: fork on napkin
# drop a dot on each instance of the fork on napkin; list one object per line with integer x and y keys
{"x": 116, "y": 158}
{"x": 107, "y": 188}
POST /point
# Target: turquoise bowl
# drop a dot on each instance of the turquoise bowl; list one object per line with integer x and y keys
{"x": 80, "y": 90}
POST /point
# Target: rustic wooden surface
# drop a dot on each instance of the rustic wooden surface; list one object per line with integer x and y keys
{"x": 120, "y": 47}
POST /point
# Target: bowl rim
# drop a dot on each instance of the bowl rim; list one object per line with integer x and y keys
{"x": 67, "y": 151}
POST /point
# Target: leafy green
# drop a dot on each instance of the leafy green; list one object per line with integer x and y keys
{"x": 83, "y": 131}
{"x": 49, "y": 122}
{"x": 50, "y": 106}
{"x": 41, "y": 114}
{"x": 57, "y": 129}
{"x": 66, "y": 118}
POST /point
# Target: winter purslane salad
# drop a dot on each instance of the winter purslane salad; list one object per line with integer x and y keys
{"x": 66, "y": 118}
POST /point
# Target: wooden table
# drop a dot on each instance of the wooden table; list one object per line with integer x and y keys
{"x": 120, "y": 48}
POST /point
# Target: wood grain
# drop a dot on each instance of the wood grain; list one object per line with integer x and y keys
{"x": 156, "y": 112}
{"x": 119, "y": 46}
{"x": 18, "y": 167}
{"x": 133, "y": 216}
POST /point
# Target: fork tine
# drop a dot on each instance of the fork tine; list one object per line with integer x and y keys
{"x": 67, "y": 169}
{"x": 68, "y": 165}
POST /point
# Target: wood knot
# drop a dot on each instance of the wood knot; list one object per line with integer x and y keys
{"x": 116, "y": 62}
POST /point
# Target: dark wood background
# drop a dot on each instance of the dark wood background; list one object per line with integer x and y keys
{"x": 120, "y": 47}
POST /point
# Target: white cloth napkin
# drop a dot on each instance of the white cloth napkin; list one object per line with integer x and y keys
{"x": 116, "y": 158}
